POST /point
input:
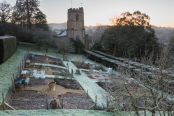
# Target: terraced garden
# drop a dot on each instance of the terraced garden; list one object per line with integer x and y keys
{"x": 79, "y": 92}
{"x": 10, "y": 67}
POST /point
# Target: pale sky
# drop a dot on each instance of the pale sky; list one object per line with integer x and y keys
{"x": 161, "y": 12}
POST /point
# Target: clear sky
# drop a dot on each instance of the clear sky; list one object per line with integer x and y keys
{"x": 161, "y": 12}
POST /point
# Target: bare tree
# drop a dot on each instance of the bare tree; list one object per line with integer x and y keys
{"x": 148, "y": 88}
{"x": 5, "y": 12}
{"x": 24, "y": 11}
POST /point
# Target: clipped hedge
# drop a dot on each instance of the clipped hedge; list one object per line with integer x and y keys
{"x": 8, "y": 46}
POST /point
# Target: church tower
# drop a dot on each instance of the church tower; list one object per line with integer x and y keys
{"x": 75, "y": 24}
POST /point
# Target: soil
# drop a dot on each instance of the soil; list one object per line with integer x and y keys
{"x": 35, "y": 82}
{"x": 84, "y": 66}
{"x": 54, "y": 70}
{"x": 124, "y": 97}
{"x": 32, "y": 96}
{"x": 57, "y": 69}
{"x": 131, "y": 86}
{"x": 28, "y": 100}
{"x": 68, "y": 84}
{"x": 42, "y": 59}
{"x": 76, "y": 101}
{"x": 96, "y": 75}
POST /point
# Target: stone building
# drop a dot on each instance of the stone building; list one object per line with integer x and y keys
{"x": 75, "y": 27}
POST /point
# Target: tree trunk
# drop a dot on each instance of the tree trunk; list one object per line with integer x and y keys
{"x": 114, "y": 50}
{"x": 153, "y": 112}
{"x": 28, "y": 16}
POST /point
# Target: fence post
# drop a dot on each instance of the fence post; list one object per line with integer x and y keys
{"x": 95, "y": 102}
{"x": 62, "y": 101}
{"x": 22, "y": 63}
{"x": 107, "y": 103}
{"x": 18, "y": 71}
{"x": 87, "y": 93}
{"x": 46, "y": 100}
{"x": 20, "y": 68}
{"x": 13, "y": 84}
{"x": 3, "y": 101}
{"x": 72, "y": 73}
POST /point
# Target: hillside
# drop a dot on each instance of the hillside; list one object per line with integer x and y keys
{"x": 163, "y": 33}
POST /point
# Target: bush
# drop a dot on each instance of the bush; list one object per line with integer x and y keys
{"x": 42, "y": 38}
{"x": 97, "y": 46}
{"x": 78, "y": 45}
{"x": 21, "y": 33}
{"x": 99, "y": 68}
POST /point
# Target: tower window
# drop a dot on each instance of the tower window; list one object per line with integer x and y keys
{"x": 77, "y": 17}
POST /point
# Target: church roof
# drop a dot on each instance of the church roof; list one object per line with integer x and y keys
{"x": 63, "y": 33}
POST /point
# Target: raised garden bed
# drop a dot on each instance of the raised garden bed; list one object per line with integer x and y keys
{"x": 33, "y": 96}
{"x": 43, "y": 59}
{"x": 76, "y": 101}
{"x": 28, "y": 100}
{"x": 82, "y": 65}
{"x": 68, "y": 84}
{"x": 96, "y": 75}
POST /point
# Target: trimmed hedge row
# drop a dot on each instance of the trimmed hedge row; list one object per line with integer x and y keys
{"x": 8, "y": 46}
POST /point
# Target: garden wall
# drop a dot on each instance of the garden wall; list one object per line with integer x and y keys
{"x": 8, "y": 46}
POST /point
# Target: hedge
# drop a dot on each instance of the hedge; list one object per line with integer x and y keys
{"x": 8, "y": 46}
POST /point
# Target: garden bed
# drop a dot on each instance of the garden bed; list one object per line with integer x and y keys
{"x": 68, "y": 84}
{"x": 76, "y": 101}
{"x": 96, "y": 75}
{"x": 82, "y": 65}
{"x": 33, "y": 95}
{"x": 28, "y": 100}
{"x": 46, "y": 59}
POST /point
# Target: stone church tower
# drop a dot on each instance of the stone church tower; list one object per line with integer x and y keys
{"x": 75, "y": 27}
{"x": 75, "y": 24}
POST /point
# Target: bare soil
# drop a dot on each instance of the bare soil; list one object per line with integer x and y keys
{"x": 32, "y": 96}
{"x": 76, "y": 101}
{"x": 84, "y": 66}
{"x": 28, "y": 100}
{"x": 68, "y": 84}
{"x": 96, "y": 75}
{"x": 46, "y": 59}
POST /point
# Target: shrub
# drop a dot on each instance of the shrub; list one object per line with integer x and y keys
{"x": 7, "y": 47}
{"x": 97, "y": 46}
{"x": 78, "y": 45}
{"x": 42, "y": 38}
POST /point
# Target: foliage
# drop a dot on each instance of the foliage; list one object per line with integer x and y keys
{"x": 97, "y": 46}
{"x": 98, "y": 33}
{"x": 25, "y": 16}
{"x": 63, "y": 45}
{"x": 24, "y": 11}
{"x": 131, "y": 37}
{"x": 40, "y": 20}
{"x": 5, "y": 12}
{"x": 16, "y": 30}
{"x": 42, "y": 38}
{"x": 99, "y": 68}
{"x": 78, "y": 45}
{"x": 62, "y": 73}
{"x": 171, "y": 45}
{"x": 128, "y": 19}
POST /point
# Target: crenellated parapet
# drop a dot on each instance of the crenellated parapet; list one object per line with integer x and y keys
{"x": 80, "y": 10}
